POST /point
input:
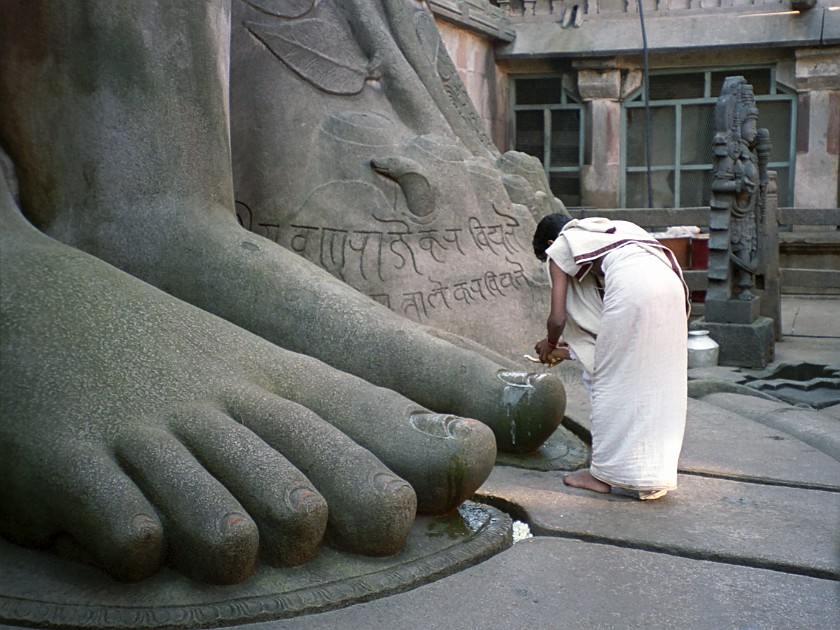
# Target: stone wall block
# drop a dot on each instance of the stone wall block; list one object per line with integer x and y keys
{"x": 596, "y": 84}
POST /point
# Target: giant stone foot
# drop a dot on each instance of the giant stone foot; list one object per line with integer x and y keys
{"x": 116, "y": 116}
{"x": 138, "y": 431}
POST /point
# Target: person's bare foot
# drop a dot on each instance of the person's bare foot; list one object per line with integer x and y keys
{"x": 584, "y": 479}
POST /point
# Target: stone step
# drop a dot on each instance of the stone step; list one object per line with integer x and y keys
{"x": 723, "y": 443}
{"x": 792, "y": 530}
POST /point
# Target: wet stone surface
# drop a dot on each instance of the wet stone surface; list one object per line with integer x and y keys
{"x": 562, "y": 451}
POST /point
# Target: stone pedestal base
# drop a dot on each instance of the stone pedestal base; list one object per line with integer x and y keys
{"x": 732, "y": 311}
{"x": 742, "y": 345}
{"x": 41, "y": 590}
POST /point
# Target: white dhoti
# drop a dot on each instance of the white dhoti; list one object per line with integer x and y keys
{"x": 639, "y": 389}
{"x": 632, "y": 340}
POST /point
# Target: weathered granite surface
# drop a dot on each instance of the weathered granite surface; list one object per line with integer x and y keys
{"x": 40, "y": 591}
{"x": 730, "y": 443}
{"x": 356, "y": 146}
{"x": 707, "y": 518}
{"x": 550, "y": 582}
{"x": 138, "y": 429}
{"x": 811, "y": 427}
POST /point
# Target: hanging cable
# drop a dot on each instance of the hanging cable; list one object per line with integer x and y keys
{"x": 646, "y": 93}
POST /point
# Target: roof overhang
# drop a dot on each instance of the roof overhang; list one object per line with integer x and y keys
{"x": 605, "y": 35}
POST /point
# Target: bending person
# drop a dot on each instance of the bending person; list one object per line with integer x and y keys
{"x": 618, "y": 300}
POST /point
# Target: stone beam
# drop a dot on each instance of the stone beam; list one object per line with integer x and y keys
{"x": 475, "y": 15}
{"x": 622, "y": 34}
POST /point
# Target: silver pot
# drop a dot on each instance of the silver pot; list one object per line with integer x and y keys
{"x": 703, "y": 351}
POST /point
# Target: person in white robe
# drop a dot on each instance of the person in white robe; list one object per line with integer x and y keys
{"x": 620, "y": 305}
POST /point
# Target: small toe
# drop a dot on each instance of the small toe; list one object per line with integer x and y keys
{"x": 290, "y": 513}
{"x": 209, "y": 534}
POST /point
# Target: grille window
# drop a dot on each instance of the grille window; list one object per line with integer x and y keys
{"x": 549, "y": 124}
{"x": 682, "y": 106}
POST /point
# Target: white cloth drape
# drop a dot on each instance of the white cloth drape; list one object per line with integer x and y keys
{"x": 639, "y": 386}
{"x": 633, "y": 345}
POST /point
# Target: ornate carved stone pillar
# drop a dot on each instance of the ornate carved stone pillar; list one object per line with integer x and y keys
{"x": 738, "y": 227}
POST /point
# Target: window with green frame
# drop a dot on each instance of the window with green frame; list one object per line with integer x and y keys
{"x": 682, "y": 105}
{"x": 548, "y": 123}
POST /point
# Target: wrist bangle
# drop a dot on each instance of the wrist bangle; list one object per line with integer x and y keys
{"x": 553, "y": 346}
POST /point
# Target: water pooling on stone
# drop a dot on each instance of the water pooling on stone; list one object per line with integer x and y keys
{"x": 518, "y": 385}
{"x": 436, "y": 424}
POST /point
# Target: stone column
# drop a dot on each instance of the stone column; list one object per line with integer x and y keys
{"x": 600, "y": 183}
{"x": 818, "y": 128}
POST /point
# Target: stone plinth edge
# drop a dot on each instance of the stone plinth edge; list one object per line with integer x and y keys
{"x": 39, "y": 589}
{"x": 742, "y": 345}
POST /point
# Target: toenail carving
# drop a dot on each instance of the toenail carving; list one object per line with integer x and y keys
{"x": 233, "y": 521}
{"x": 389, "y": 482}
{"x": 298, "y": 497}
{"x": 435, "y": 424}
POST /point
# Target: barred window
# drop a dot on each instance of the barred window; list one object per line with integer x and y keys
{"x": 549, "y": 124}
{"x": 682, "y": 106}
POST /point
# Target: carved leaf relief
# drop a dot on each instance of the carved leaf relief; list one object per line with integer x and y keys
{"x": 283, "y": 8}
{"x": 318, "y": 51}
{"x": 429, "y": 37}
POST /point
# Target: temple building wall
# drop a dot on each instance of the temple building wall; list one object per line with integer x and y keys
{"x": 567, "y": 87}
{"x": 474, "y": 56}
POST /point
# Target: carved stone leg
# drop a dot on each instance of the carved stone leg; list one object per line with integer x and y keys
{"x": 356, "y": 146}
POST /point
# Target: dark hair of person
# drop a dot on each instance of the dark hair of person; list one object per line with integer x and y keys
{"x": 547, "y": 230}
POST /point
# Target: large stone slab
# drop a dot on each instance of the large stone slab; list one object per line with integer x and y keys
{"x": 724, "y": 443}
{"x": 812, "y": 427}
{"x": 728, "y": 442}
{"x": 555, "y": 583}
{"x": 787, "y": 529}
{"x": 38, "y": 589}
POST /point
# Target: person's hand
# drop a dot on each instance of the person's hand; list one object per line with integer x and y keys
{"x": 550, "y": 353}
{"x": 560, "y": 353}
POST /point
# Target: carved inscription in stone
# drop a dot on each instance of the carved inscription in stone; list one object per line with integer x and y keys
{"x": 356, "y": 146}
